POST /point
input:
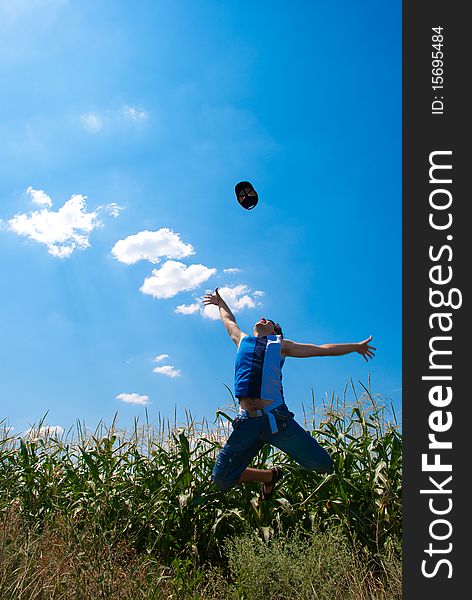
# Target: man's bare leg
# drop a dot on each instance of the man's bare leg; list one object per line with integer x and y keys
{"x": 268, "y": 478}
{"x": 251, "y": 474}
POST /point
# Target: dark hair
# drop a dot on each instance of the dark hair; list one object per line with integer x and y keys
{"x": 277, "y": 328}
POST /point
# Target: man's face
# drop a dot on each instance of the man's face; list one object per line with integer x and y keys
{"x": 264, "y": 327}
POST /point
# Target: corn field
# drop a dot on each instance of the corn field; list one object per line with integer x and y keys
{"x": 151, "y": 488}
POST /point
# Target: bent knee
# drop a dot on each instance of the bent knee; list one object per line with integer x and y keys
{"x": 222, "y": 483}
{"x": 323, "y": 464}
{"x": 327, "y": 466}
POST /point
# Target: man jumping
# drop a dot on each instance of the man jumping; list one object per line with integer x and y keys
{"x": 264, "y": 417}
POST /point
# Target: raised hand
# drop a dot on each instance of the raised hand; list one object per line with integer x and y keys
{"x": 212, "y": 298}
{"x": 365, "y": 350}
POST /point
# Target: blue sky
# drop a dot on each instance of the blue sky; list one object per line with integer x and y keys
{"x": 125, "y": 128}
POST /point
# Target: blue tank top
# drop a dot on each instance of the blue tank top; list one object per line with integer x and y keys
{"x": 258, "y": 368}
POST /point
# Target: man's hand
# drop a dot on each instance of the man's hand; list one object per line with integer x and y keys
{"x": 226, "y": 315}
{"x": 212, "y": 298}
{"x": 364, "y": 349}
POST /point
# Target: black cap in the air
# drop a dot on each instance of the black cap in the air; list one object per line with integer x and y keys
{"x": 246, "y": 194}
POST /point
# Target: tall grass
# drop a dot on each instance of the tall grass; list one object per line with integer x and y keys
{"x": 150, "y": 489}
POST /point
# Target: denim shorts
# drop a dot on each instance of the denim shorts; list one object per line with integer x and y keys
{"x": 250, "y": 434}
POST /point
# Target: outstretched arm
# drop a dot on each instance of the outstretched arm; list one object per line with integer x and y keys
{"x": 296, "y": 350}
{"x": 226, "y": 315}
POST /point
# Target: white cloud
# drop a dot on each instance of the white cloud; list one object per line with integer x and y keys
{"x": 96, "y": 121}
{"x": 151, "y": 246}
{"x": 113, "y": 209}
{"x": 188, "y": 309}
{"x": 62, "y": 231}
{"x": 133, "y": 398}
{"x": 238, "y": 298}
{"x": 39, "y": 197}
{"x": 92, "y": 122}
{"x": 168, "y": 370}
{"x": 160, "y": 357}
{"x": 134, "y": 114}
{"x": 174, "y": 277}
{"x": 46, "y": 431}
{"x": 231, "y": 270}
